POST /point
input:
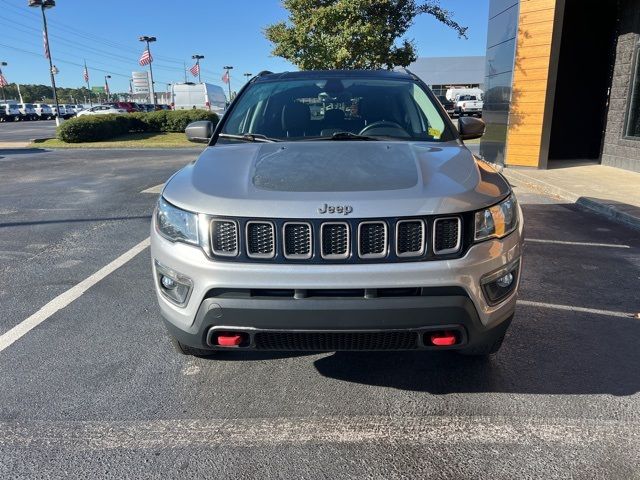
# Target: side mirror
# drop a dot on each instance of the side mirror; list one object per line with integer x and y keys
{"x": 199, "y": 132}
{"x": 470, "y": 128}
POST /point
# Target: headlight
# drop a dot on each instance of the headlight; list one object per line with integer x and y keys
{"x": 175, "y": 224}
{"x": 497, "y": 221}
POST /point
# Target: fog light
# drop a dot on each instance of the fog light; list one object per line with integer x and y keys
{"x": 499, "y": 285}
{"x": 167, "y": 282}
{"x": 505, "y": 280}
{"x": 173, "y": 285}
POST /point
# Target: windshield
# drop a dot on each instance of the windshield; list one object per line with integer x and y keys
{"x": 321, "y": 108}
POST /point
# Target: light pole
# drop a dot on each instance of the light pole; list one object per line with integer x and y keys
{"x": 197, "y": 58}
{"x": 228, "y": 68}
{"x": 2, "y": 81}
{"x": 106, "y": 86}
{"x": 147, "y": 39}
{"x": 43, "y": 5}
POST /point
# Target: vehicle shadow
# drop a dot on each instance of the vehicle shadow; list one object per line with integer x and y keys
{"x": 547, "y": 350}
{"x": 542, "y": 354}
{"x": 20, "y": 151}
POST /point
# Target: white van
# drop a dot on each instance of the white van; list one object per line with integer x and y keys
{"x": 455, "y": 92}
{"x": 187, "y": 96}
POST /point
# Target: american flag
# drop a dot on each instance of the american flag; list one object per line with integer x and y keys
{"x": 146, "y": 58}
{"x": 225, "y": 77}
{"x": 85, "y": 75}
{"x": 195, "y": 70}
{"x": 47, "y": 54}
{"x": 3, "y": 81}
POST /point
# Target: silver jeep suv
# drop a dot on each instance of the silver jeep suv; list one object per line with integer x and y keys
{"x": 337, "y": 210}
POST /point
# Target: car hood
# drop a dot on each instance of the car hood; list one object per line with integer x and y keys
{"x": 297, "y": 179}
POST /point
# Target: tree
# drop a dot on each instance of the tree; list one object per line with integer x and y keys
{"x": 346, "y": 34}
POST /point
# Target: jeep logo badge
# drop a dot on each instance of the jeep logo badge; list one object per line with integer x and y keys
{"x": 344, "y": 209}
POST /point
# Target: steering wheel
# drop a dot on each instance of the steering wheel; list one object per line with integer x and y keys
{"x": 383, "y": 124}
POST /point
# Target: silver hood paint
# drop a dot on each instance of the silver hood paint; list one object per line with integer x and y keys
{"x": 293, "y": 179}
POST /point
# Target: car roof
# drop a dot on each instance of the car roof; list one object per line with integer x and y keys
{"x": 311, "y": 74}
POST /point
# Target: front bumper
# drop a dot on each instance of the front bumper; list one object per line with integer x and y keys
{"x": 242, "y": 296}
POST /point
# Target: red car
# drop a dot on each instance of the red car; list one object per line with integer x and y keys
{"x": 128, "y": 106}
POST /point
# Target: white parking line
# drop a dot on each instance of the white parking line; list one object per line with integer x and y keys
{"x": 578, "y": 244}
{"x": 244, "y": 432}
{"x": 157, "y": 190}
{"x": 67, "y": 297}
{"x": 570, "y": 308}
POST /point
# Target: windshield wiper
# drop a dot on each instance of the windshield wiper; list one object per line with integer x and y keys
{"x": 345, "y": 136}
{"x": 249, "y": 137}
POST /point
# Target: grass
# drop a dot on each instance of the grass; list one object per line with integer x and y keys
{"x": 132, "y": 140}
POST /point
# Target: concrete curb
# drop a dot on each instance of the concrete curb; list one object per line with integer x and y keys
{"x": 608, "y": 210}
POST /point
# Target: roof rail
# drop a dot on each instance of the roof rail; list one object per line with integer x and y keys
{"x": 264, "y": 72}
{"x": 409, "y": 72}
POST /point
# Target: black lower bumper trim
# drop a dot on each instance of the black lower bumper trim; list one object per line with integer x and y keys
{"x": 328, "y": 324}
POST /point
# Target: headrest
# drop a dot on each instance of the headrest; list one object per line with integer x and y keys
{"x": 295, "y": 118}
{"x": 335, "y": 115}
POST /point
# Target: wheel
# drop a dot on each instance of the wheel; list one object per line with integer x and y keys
{"x": 484, "y": 349}
{"x": 187, "y": 350}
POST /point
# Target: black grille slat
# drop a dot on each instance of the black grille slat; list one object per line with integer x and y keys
{"x": 447, "y": 234}
{"x": 260, "y": 239}
{"x": 332, "y": 341}
{"x": 410, "y": 238}
{"x": 224, "y": 237}
{"x": 372, "y": 241}
{"x": 335, "y": 240}
{"x": 297, "y": 240}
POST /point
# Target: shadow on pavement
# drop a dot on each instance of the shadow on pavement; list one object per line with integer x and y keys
{"x": 553, "y": 356}
{"x": 21, "y": 151}
{"x": 74, "y": 220}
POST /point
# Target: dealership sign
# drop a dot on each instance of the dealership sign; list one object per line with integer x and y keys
{"x": 140, "y": 82}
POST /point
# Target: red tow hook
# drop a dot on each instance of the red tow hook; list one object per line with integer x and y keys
{"x": 229, "y": 339}
{"x": 443, "y": 339}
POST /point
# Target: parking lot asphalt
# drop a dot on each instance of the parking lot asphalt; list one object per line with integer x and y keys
{"x": 25, "y": 131}
{"x": 97, "y": 391}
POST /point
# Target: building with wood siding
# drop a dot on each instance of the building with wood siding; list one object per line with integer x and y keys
{"x": 562, "y": 81}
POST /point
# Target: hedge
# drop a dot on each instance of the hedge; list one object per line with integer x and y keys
{"x": 94, "y": 128}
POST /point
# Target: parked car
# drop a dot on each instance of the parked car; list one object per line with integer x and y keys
{"x": 3, "y": 113}
{"x": 62, "y": 111}
{"x": 130, "y": 107}
{"x": 79, "y": 108}
{"x": 70, "y": 110}
{"x": 448, "y": 105}
{"x": 162, "y": 106}
{"x": 101, "y": 110}
{"x": 468, "y": 105}
{"x": 27, "y": 111}
{"x": 206, "y": 96}
{"x": 454, "y": 92}
{"x": 43, "y": 111}
{"x": 371, "y": 227}
{"x": 12, "y": 112}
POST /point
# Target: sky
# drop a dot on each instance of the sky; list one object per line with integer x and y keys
{"x": 228, "y": 32}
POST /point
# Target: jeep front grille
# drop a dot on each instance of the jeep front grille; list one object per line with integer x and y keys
{"x": 446, "y": 235}
{"x": 224, "y": 238}
{"x": 297, "y": 240}
{"x": 335, "y": 240}
{"x": 344, "y": 241}
{"x": 372, "y": 240}
{"x": 410, "y": 236}
{"x": 261, "y": 240}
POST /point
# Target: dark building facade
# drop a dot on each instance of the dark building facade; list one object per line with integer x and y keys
{"x": 573, "y": 92}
